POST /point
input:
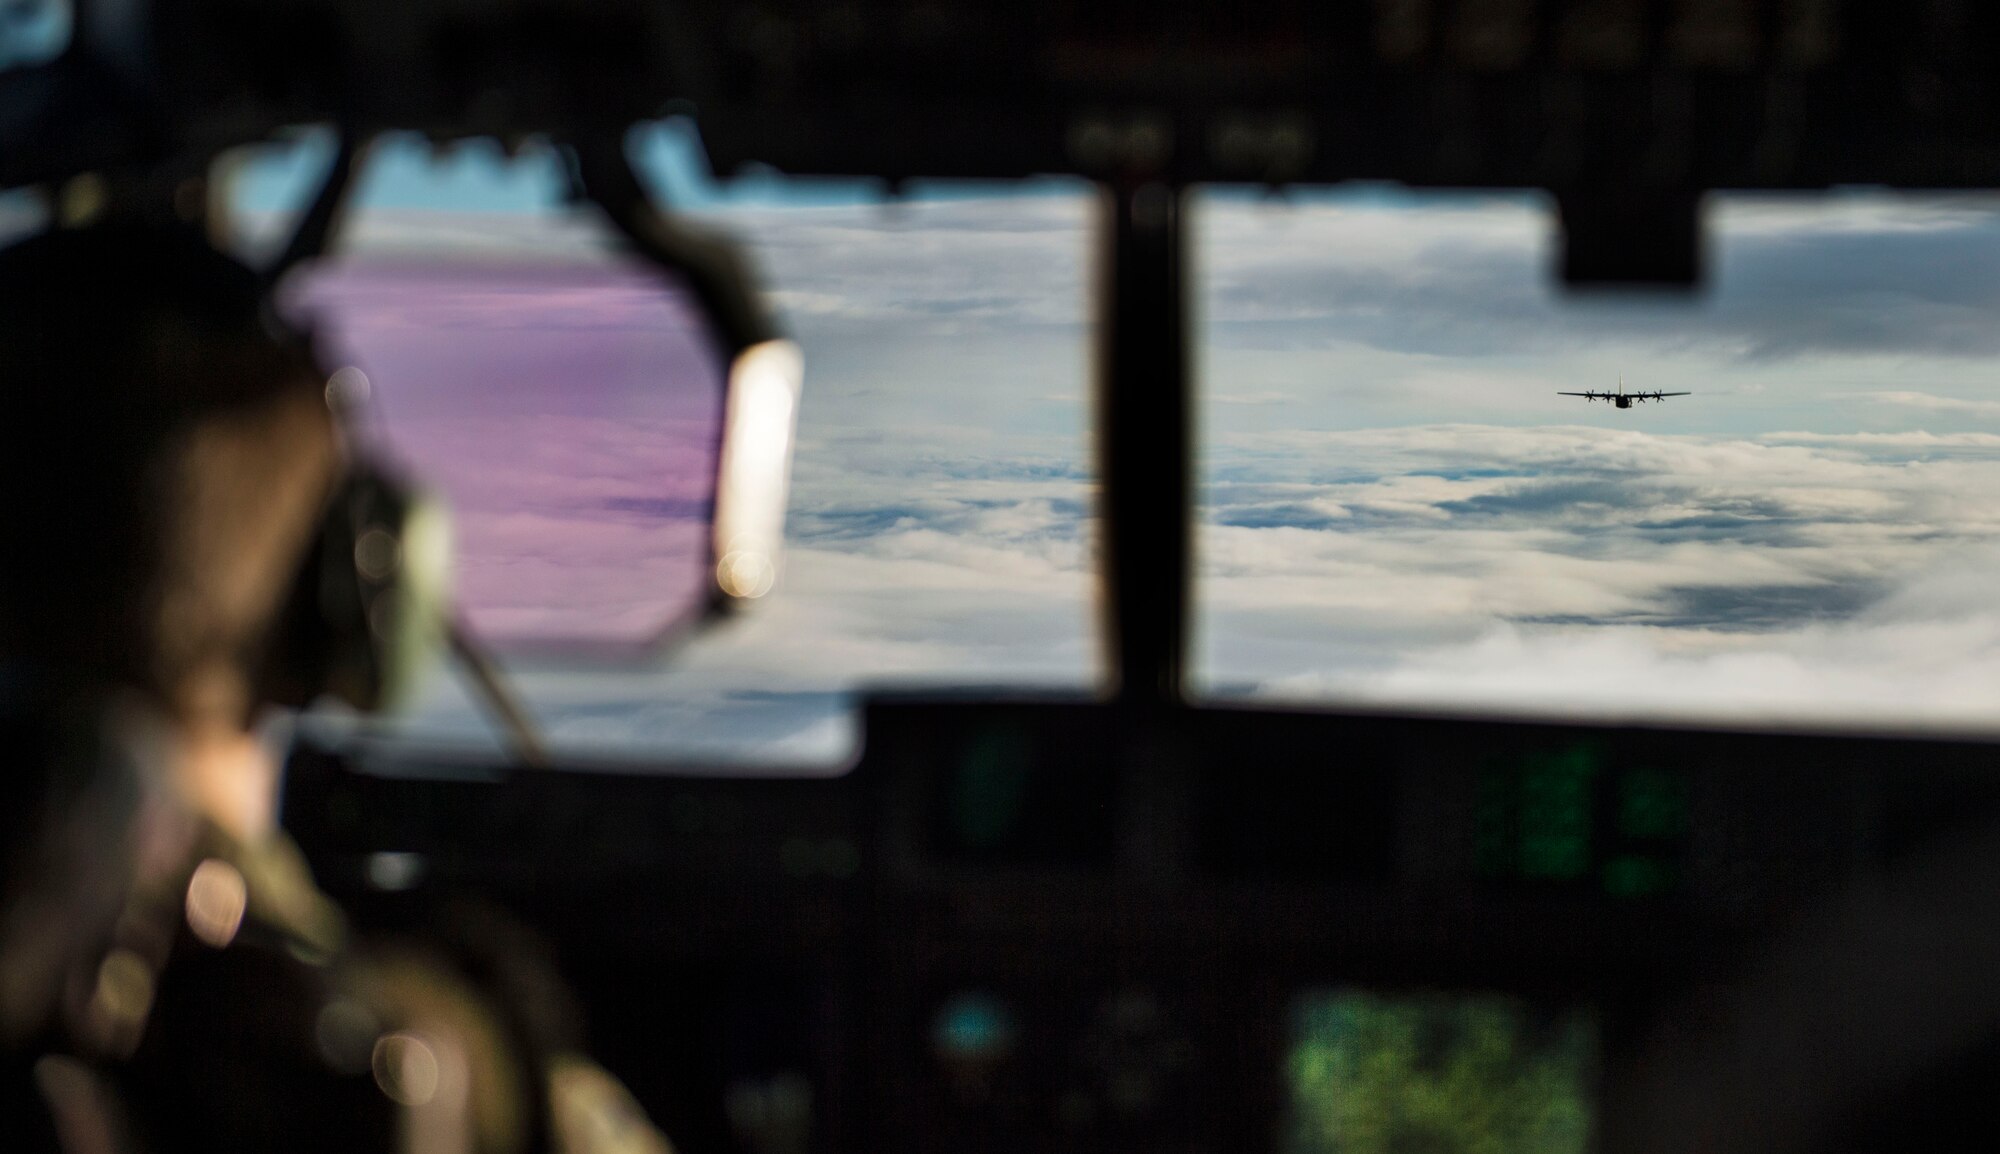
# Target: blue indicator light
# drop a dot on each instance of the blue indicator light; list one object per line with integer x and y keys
{"x": 973, "y": 1027}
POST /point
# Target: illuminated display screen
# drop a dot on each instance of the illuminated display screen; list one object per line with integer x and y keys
{"x": 1368, "y": 1073}
{"x": 1572, "y": 814}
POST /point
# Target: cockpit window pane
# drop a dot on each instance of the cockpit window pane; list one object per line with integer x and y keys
{"x": 937, "y": 526}
{"x": 1397, "y": 507}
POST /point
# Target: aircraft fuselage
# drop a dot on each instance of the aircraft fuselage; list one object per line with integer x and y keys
{"x": 1622, "y": 401}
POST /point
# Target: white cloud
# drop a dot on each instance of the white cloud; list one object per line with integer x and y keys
{"x": 1799, "y": 577}
{"x": 1935, "y": 403}
{"x": 1914, "y": 439}
{"x": 1397, "y": 507}
{"x": 1888, "y": 667}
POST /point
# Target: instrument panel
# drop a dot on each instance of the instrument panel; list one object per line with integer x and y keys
{"x": 1072, "y": 925}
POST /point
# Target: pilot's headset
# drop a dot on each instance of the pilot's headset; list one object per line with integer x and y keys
{"x": 369, "y": 608}
{"x": 368, "y": 602}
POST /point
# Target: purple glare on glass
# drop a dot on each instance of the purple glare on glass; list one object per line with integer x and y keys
{"x": 570, "y": 414}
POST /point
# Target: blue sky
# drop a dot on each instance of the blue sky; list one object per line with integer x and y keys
{"x": 1396, "y": 507}
{"x": 477, "y": 177}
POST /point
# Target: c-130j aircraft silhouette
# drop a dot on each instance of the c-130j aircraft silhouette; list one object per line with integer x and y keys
{"x": 1623, "y": 399}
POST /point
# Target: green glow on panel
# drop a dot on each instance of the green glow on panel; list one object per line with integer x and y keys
{"x": 1556, "y": 796}
{"x": 1652, "y": 804}
{"x": 1376, "y": 1074}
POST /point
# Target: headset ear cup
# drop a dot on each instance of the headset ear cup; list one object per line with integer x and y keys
{"x": 408, "y": 613}
{"x": 369, "y": 606}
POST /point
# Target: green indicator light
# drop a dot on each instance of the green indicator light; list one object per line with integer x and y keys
{"x": 1557, "y": 854}
{"x": 1652, "y": 804}
{"x": 1556, "y": 807}
{"x": 1637, "y": 877}
{"x": 990, "y": 787}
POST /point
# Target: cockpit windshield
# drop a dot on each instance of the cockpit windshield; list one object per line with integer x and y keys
{"x": 1398, "y": 507}
{"x": 1397, "y": 503}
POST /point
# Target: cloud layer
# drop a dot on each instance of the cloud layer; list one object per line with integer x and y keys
{"x": 1395, "y": 505}
{"x": 1620, "y": 574}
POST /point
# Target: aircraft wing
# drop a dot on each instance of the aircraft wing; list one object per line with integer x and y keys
{"x": 1560, "y": 393}
{"x": 1670, "y": 394}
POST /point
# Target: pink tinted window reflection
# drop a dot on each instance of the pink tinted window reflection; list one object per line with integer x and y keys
{"x": 570, "y": 415}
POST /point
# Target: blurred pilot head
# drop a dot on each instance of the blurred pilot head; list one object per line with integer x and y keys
{"x": 165, "y": 449}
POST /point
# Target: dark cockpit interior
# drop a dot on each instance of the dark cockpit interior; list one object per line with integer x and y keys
{"x": 1131, "y": 914}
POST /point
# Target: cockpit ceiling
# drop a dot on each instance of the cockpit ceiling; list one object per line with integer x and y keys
{"x": 1501, "y": 93}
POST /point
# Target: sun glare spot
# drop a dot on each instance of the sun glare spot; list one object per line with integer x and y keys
{"x": 406, "y": 1068}
{"x": 217, "y": 897}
